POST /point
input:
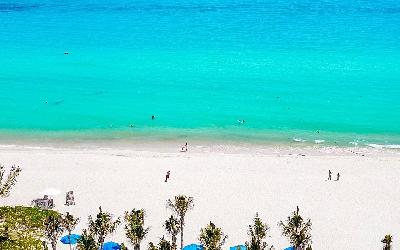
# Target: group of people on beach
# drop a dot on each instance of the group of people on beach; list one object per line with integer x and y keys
{"x": 330, "y": 175}
{"x": 184, "y": 148}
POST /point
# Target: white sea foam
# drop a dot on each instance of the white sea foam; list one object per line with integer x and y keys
{"x": 319, "y": 141}
{"x": 393, "y": 146}
{"x": 353, "y": 143}
{"x": 298, "y": 140}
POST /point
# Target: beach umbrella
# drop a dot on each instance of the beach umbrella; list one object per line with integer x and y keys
{"x": 289, "y": 248}
{"x": 193, "y": 247}
{"x": 70, "y": 239}
{"x": 238, "y": 247}
{"x": 111, "y": 246}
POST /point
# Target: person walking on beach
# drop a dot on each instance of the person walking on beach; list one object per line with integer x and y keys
{"x": 167, "y": 175}
{"x": 329, "y": 175}
{"x": 338, "y": 176}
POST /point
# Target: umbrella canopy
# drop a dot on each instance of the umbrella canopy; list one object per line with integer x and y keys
{"x": 111, "y": 246}
{"x": 289, "y": 248}
{"x": 70, "y": 239}
{"x": 193, "y": 247}
{"x": 238, "y": 247}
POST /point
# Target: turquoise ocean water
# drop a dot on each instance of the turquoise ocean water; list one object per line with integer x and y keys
{"x": 305, "y": 69}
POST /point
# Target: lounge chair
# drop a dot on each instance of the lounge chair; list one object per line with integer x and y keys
{"x": 69, "y": 198}
{"x": 44, "y": 203}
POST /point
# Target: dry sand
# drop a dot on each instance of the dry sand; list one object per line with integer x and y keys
{"x": 229, "y": 185}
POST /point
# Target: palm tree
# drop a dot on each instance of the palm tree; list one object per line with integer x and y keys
{"x": 53, "y": 229}
{"x": 123, "y": 247}
{"x": 152, "y": 246}
{"x": 102, "y": 226}
{"x": 134, "y": 227}
{"x": 387, "y": 242}
{"x": 87, "y": 241}
{"x": 212, "y": 237}
{"x": 69, "y": 223}
{"x": 164, "y": 244}
{"x": 180, "y": 206}
{"x": 7, "y": 183}
{"x": 172, "y": 227}
{"x": 297, "y": 231}
{"x": 257, "y": 232}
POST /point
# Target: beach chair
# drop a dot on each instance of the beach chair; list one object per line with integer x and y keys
{"x": 44, "y": 203}
{"x": 69, "y": 198}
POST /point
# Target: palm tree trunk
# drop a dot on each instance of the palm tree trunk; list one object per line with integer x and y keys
{"x": 101, "y": 241}
{"x": 181, "y": 233}
{"x": 54, "y": 245}
{"x": 174, "y": 242}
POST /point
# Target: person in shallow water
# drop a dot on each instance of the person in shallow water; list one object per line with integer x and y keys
{"x": 153, "y": 117}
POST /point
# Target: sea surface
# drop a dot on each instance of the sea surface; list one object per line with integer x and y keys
{"x": 320, "y": 71}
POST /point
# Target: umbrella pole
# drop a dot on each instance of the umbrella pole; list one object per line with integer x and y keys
{"x": 69, "y": 237}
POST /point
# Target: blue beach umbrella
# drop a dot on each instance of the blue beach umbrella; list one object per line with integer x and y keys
{"x": 238, "y": 247}
{"x": 289, "y": 248}
{"x": 70, "y": 239}
{"x": 193, "y": 247}
{"x": 111, "y": 246}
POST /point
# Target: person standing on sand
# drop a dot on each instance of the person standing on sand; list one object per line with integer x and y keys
{"x": 185, "y": 148}
{"x": 338, "y": 176}
{"x": 329, "y": 175}
{"x": 167, "y": 175}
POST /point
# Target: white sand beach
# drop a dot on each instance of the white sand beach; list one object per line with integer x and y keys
{"x": 229, "y": 185}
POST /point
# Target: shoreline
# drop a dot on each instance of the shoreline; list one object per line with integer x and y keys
{"x": 230, "y": 136}
{"x": 200, "y": 147}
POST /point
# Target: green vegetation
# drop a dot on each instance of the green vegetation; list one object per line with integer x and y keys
{"x": 387, "y": 242}
{"x": 134, "y": 227}
{"x": 53, "y": 229}
{"x": 26, "y": 227}
{"x": 181, "y": 205}
{"x": 102, "y": 226}
{"x": 297, "y": 231}
{"x": 172, "y": 227}
{"x": 257, "y": 232}
{"x": 87, "y": 241}
{"x": 6, "y": 183}
{"x": 212, "y": 237}
{"x": 69, "y": 222}
{"x": 23, "y": 227}
{"x": 164, "y": 244}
